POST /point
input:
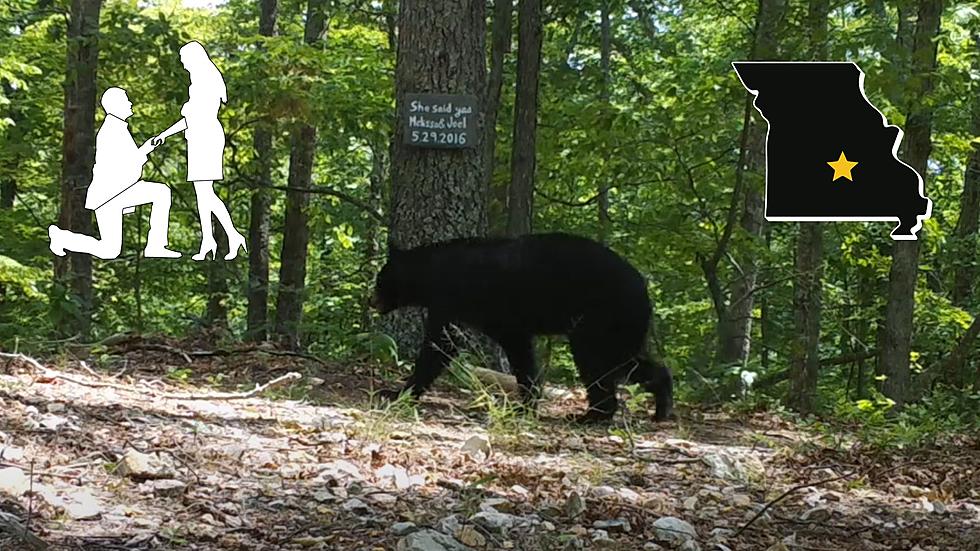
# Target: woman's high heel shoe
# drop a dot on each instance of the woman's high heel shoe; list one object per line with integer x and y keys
{"x": 234, "y": 242}
{"x": 208, "y": 246}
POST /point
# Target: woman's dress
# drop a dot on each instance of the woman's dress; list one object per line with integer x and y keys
{"x": 205, "y": 136}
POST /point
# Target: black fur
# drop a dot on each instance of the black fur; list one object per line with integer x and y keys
{"x": 513, "y": 289}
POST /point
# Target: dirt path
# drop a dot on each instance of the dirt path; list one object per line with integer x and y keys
{"x": 121, "y": 466}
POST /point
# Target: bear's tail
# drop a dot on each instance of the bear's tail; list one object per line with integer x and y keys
{"x": 655, "y": 377}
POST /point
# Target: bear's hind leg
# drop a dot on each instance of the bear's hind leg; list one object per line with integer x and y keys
{"x": 656, "y": 379}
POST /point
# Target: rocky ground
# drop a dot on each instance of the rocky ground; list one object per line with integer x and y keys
{"x": 123, "y": 456}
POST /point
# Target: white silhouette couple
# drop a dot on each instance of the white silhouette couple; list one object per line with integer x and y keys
{"x": 117, "y": 187}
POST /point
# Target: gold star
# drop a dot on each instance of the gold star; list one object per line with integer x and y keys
{"x": 842, "y": 167}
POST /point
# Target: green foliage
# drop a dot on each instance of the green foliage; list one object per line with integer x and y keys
{"x": 944, "y": 413}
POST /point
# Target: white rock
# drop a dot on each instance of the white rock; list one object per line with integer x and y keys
{"x": 354, "y": 505}
{"x": 402, "y": 528}
{"x": 429, "y": 540}
{"x": 477, "y": 447}
{"x": 141, "y": 466}
{"x": 14, "y": 482}
{"x": 674, "y": 530}
{"x": 603, "y": 491}
{"x": 166, "y": 487}
{"x": 741, "y": 500}
{"x": 494, "y": 521}
{"x": 727, "y": 465}
{"x": 82, "y": 505}
{"x": 629, "y": 495}
{"x": 689, "y": 545}
{"x": 392, "y": 475}
{"x": 449, "y": 525}
{"x": 340, "y": 471}
{"x": 11, "y": 453}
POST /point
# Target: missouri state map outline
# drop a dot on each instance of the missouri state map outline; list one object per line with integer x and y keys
{"x": 831, "y": 155}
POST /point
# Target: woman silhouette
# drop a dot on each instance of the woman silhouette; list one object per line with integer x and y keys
{"x": 205, "y": 145}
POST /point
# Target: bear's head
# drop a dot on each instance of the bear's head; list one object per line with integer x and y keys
{"x": 397, "y": 283}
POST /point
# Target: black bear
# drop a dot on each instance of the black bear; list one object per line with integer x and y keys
{"x": 513, "y": 289}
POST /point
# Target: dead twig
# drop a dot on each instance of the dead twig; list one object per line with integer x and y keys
{"x": 788, "y": 493}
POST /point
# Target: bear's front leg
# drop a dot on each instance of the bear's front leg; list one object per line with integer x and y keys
{"x": 435, "y": 353}
{"x": 602, "y": 402}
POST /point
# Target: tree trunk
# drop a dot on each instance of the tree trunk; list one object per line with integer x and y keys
{"x": 736, "y": 342}
{"x": 896, "y": 337}
{"x": 605, "y": 52}
{"x": 520, "y": 204}
{"x": 257, "y": 318}
{"x": 437, "y": 194}
{"x": 216, "y": 315}
{"x": 499, "y": 47}
{"x": 805, "y": 359}
{"x": 296, "y": 235}
{"x": 952, "y": 369}
{"x": 965, "y": 271}
{"x": 78, "y": 153}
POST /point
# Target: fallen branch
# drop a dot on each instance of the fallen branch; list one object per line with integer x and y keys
{"x": 11, "y": 524}
{"x": 786, "y": 494}
{"x": 291, "y": 376}
{"x": 187, "y": 355}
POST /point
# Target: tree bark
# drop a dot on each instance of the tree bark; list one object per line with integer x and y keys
{"x": 520, "y": 204}
{"x": 896, "y": 337}
{"x": 74, "y": 271}
{"x": 296, "y": 235}
{"x": 499, "y": 47}
{"x": 257, "y": 317}
{"x": 436, "y": 194}
{"x": 965, "y": 273}
{"x": 736, "y": 334}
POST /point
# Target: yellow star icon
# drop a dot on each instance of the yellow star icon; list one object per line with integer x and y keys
{"x": 842, "y": 167}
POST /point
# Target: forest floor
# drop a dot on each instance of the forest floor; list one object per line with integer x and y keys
{"x": 146, "y": 452}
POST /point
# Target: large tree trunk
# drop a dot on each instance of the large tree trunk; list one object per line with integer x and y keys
{"x": 437, "y": 194}
{"x": 605, "y": 51}
{"x": 499, "y": 47}
{"x": 78, "y": 153}
{"x": 257, "y": 320}
{"x": 296, "y": 235}
{"x": 965, "y": 272}
{"x": 896, "y": 337}
{"x": 520, "y": 203}
{"x": 736, "y": 334}
{"x": 805, "y": 359}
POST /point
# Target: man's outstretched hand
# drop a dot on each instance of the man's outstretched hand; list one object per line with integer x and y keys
{"x": 157, "y": 141}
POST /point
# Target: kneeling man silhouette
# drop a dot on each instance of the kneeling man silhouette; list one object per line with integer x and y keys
{"x": 117, "y": 188}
